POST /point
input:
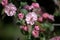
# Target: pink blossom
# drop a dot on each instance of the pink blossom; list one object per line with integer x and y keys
{"x": 31, "y": 7}
{"x": 51, "y": 17}
{"x": 28, "y": 7}
{"x": 35, "y": 33}
{"x": 25, "y": 28}
{"x": 45, "y": 15}
{"x": 20, "y": 15}
{"x": 36, "y": 28}
{"x": 10, "y": 9}
{"x": 31, "y": 17}
{"x": 35, "y": 5}
{"x": 55, "y": 38}
{"x": 40, "y": 19}
{"x": 4, "y": 2}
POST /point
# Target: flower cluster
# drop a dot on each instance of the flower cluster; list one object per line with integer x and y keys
{"x": 9, "y": 8}
{"x": 31, "y": 17}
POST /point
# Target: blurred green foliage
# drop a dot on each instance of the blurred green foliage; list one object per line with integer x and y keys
{"x": 57, "y": 13}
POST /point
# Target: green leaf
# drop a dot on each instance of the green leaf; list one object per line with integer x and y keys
{"x": 46, "y": 25}
{"x": 57, "y": 13}
{"x": 21, "y": 22}
{"x": 42, "y": 38}
{"x": 2, "y": 12}
{"x": 23, "y": 3}
{"x": 24, "y": 11}
{"x": 51, "y": 28}
{"x": 3, "y": 17}
{"x": 0, "y": 1}
{"x": 30, "y": 31}
{"x": 38, "y": 23}
{"x": 18, "y": 21}
{"x": 34, "y": 0}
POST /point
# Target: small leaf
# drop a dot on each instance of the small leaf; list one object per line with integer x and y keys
{"x": 30, "y": 31}
{"x": 23, "y": 22}
{"x": 23, "y": 3}
{"x": 51, "y": 28}
{"x": 18, "y": 21}
{"x": 42, "y": 38}
{"x": 57, "y": 13}
{"x": 3, "y": 17}
{"x": 39, "y": 24}
{"x": 34, "y": 0}
{"x": 2, "y": 12}
{"x": 46, "y": 24}
{"x": 24, "y": 11}
{"x": 0, "y": 1}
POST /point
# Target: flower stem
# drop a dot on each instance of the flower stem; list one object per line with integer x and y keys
{"x": 30, "y": 31}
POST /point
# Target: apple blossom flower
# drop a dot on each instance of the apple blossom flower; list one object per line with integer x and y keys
{"x": 35, "y": 33}
{"x": 25, "y": 28}
{"x": 51, "y": 17}
{"x": 37, "y": 28}
{"x": 10, "y": 9}
{"x": 20, "y": 15}
{"x": 40, "y": 19}
{"x": 4, "y": 2}
{"x": 31, "y": 17}
{"x": 35, "y": 5}
{"x": 45, "y": 15}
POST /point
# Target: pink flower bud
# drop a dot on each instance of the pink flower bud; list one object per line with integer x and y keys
{"x": 36, "y": 28}
{"x": 51, "y": 17}
{"x": 35, "y": 5}
{"x": 20, "y": 16}
{"x": 40, "y": 19}
{"x": 35, "y": 33}
{"x": 4, "y": 2}
{"x": 45, "y": 15}
{"x": 31, "y": 7}
{"x": 25, "y": 28}
{"x": 28, "y": 7}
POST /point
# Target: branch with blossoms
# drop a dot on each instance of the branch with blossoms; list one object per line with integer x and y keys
{"x": 31, "y": 18}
